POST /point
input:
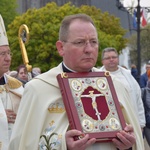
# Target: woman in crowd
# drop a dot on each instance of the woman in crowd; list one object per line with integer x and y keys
{"x": 22, "y": 74}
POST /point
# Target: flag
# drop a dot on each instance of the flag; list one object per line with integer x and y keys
{"x": 144, "y": 18}
{"x": 135, "y": 19}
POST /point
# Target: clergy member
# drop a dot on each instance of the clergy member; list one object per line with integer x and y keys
{"x": 10, "y": 91}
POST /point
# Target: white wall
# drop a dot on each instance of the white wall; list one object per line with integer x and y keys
{"x": 124, "y": 58}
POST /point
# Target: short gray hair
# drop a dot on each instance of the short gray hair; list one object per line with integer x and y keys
{"x": 108, "y": 49}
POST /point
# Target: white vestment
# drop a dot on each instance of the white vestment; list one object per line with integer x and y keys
{"x": 42, "y": 119}
{"x": 10, "y": 95}
{"x": 131, "y": 85}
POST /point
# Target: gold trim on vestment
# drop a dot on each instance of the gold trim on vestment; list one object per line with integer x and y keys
{"x": 13, "y": 83}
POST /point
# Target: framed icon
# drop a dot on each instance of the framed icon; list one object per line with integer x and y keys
{"x": 91, "y": 103}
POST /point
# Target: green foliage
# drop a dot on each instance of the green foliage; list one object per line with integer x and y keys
{"x": 44, "y": 26}
{"x": 144, "y": 44}
{"x": 8, "y": 10}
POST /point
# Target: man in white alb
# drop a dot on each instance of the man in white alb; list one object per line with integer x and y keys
{"x": 110, "y": 62}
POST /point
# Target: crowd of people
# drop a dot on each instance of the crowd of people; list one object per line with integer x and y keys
{"x": 32, "y": 113}
{"x": 23, "y": 75}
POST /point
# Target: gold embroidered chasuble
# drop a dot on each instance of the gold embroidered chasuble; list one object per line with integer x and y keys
{"x": 10, "y": 95}
{"x": 43, "y": 122}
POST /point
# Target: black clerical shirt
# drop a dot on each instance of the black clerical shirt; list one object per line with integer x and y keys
{"x": 2, "y": 81}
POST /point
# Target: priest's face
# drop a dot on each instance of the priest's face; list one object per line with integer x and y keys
{"x": 80, "y": 50}
{"x": 5, "y": 59}
{"x": 110, "y": 61}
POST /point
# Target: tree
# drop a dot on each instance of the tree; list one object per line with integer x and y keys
{"x": 44, "y": 26}
{"x": 144, "y": 43}
{"x": 8, "y": 10}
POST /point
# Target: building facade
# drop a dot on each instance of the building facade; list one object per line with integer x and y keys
{"x": 104, "y": 5}
{"x": 26, "y": 4}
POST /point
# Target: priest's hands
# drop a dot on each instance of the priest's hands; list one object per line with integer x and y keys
{"x": 11, "y": 116}
{"x": 81, "y": 144}
{"x": 125, "y": 139}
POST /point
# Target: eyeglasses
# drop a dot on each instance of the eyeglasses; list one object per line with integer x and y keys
{"x": 3, "y": 54}
{"x": 83, "y": 43}
{"x": 108, "y": 58}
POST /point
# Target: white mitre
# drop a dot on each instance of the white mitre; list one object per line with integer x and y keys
{"x": 3, "y": 35}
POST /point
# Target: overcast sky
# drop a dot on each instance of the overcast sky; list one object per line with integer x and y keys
{"x": 143, "y": 3}
{"x": 133, "y": 3}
